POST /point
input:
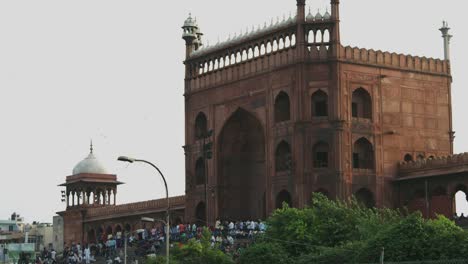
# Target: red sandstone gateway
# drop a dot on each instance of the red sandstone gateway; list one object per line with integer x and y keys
{"x": 285, "y": 110}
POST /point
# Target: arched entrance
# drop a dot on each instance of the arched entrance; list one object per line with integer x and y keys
{"x": 283, "y": 197}
{"x": 241, "y": 168}
{"x": 460, "y": 198}
{"x": 365, "y": 197}
{"x": 91, "y": 237}
{"x": 200, "y": 214}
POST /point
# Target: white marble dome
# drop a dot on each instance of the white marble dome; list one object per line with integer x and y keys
{"x": 89, "y": 165}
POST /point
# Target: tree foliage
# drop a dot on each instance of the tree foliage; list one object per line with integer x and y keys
{"x": 347, "y": 232}
{"x": 195, "y": 252}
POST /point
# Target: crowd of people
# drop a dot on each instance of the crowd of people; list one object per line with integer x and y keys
{"x": 228, "y": 236}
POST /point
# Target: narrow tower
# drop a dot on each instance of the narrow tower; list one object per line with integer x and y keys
{"x": 191, "y": 35}
{"x": 446, "y": 36}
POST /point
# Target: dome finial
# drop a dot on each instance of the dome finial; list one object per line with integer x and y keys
{"x": 91, "y": 147}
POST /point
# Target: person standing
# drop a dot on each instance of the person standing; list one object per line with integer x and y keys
{"x": 87, "y": 254}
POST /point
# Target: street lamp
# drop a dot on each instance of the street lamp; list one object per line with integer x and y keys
{"x": 131, "y": 160}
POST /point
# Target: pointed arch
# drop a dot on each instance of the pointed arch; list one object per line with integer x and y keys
{"x": 283, "y": 157}
{"x": 361, "y": 106}
{"x": 321, "y": 154}
{"x": 319, "y": 102}
{"x": 282, "y": 107}
{"x": 200, "y": 214}
{"x": 241, "y": 166}
{"x": 408, "y": 158}
{"x": 201, "y": 125}
{"x": 363, "y": 154}
{"x": 200, "y": 173}
{"x": 283, "y": 197}
{"x": 365, "y": 197}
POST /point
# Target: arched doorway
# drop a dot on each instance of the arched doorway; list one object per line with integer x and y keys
{"x": 241, "y": 167}
{"x": 365, "y": 197}
{"x": 118, "y": 231}
{"x": 91, "y": 236}
{"x": 128, "y": 228}
{"x": 200, "y": 214}
{"x": 109, "y": 231}
{"x": 440, "y": 202}
{"x": 283, "y": 197}
{"x": 460, "y": 201}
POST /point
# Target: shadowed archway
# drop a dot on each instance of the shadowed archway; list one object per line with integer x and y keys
{"x": 241, "y": 167}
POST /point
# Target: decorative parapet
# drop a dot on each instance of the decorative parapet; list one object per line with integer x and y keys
{"x": 434, "y": 166}
{"x": 258, "y": 51}
{"x": 394, "y": 60}
{"x": 176, "y": 202}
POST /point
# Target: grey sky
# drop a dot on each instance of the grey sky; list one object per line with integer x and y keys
{"x": 112, "y": 71}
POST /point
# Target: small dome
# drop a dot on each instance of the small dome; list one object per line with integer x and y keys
{"x": 318, "y": 16}
{"x": 190, "y": 22}
{"x": 89, "y": 165}
{"x": 327, "y": 15}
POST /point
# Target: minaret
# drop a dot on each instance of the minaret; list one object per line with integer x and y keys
{"x": 300, "y": 36}
{"x": 446, "y": 36}
{"x": 335, "y": 34}
{"x": 191, "y": 35}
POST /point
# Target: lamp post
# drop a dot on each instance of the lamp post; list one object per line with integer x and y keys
{"x": 131, "y": 160}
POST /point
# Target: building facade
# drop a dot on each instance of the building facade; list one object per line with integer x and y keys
{"x": 290, "y": 111}
{"x": 92, "y": 214}
{"x": 281, "y": 112}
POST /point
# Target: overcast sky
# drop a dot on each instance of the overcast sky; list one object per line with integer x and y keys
{"x": 112, "y": 71}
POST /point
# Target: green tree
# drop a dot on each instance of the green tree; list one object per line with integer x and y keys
{"x": 347, "y": 232}
{"x": 264, "y": 253}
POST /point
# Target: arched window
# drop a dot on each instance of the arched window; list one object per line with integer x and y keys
{"x": 200, "y": 172}
{"x": 321, "y": 155}
{"x": 408, "y": 158}
{"x": 420, "y": 157}
{"x": 283, "y": 197}
{"x": 363, "y": 154}
{"x": 361, "y": 104}
{"x": 365, "y": 197}
{"x": 200, "y": 126}
{"x": 282, "y": 107}
{"x": 319, "y": 104}
{"x": 283, "y": 157}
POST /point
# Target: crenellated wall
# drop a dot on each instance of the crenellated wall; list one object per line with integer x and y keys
{"x": 393, "y": 60}
{"x": 259, "y": 51}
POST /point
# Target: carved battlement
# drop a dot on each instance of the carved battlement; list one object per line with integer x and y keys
{"x": 274, "y": 46}
{"x": 447, "y": 164}
{"x": 394, "y": 60}
{"x": 258, "y": 50}
{"x": 176, "y": 202}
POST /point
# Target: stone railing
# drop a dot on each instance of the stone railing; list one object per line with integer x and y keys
{"x": 257, "y": 51}
{"x": 394, "y": 60}
{"x": 434, "y": 163}
{"x": 151, "y": 205}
